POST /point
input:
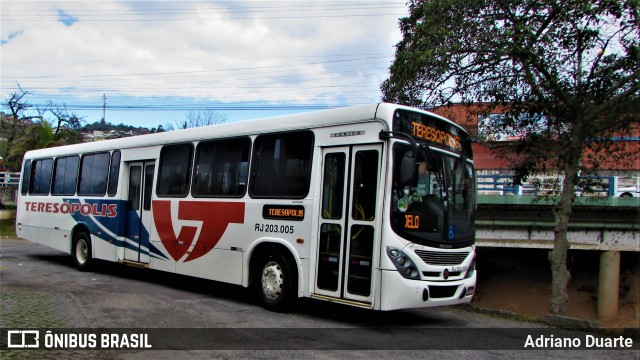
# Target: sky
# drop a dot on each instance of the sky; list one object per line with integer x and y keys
{"x": 152, "y": 61}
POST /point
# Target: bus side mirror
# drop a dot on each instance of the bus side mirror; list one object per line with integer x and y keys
{"x": 407, "y": 168}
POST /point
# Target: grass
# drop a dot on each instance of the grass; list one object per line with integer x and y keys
{"x": 8, "y": 228}
{"x": 8, "y": 206}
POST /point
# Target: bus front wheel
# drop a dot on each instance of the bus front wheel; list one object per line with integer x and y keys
{"x": 82, "y": 251}
{"x": 275, "y": 282}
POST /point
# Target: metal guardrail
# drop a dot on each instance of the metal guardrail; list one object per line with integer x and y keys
{"x": 501, "y": 185}
{"x": 9, "y": 179}
{"x": 618, "y": 237}
{"x": 597, "y": 223}
{"x": 611, "y": 186}
{"x": 592, "y": 201}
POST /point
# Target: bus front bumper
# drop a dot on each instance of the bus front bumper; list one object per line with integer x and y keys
{"x": 401, "y": 293}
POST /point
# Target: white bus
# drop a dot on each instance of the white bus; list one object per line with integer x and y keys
{"x": 370, "y": 206}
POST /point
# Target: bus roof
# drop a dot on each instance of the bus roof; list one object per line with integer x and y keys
{"x": 308, "y": 120}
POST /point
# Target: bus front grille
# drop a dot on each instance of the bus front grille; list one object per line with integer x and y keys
{"x": 442, "y": 258}
{"x": 439, "y": 292}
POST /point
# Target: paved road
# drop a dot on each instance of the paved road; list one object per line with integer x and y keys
{"x": 41, "y": 289}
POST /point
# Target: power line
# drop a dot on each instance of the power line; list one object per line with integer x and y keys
{"x": 186, "y": 107}
{"x": 203, "y": 71}
{"x": 213, "y": 19}
{"x": 178, "y": 60}
{"x": 322, "y": 10}
{"x": 152, "y": 10}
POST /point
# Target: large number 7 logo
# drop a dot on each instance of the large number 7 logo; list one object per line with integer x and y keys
{"x": 214, "y": 218}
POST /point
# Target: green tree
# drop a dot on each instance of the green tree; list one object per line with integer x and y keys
{"x": 565, "y": 75}
{"x": 42, "y": 135}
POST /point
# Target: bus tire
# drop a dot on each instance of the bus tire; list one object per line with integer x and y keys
{"x": 82, "y": 251}
{"x": 275, "y": 282}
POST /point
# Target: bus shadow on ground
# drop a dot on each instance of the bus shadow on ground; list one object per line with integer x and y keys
{"x": 344, "y": 314}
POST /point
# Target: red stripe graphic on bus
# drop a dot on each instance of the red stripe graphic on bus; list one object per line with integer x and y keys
{"x": 215, "y": 217}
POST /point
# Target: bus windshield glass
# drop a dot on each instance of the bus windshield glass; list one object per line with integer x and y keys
{"x": 434, "y": 198}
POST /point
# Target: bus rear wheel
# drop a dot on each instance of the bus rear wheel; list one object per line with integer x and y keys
{"x": 275, "y": 283}
{"x": 82, "y": 251}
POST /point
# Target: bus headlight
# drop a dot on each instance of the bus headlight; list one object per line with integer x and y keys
{"x": 472, "y": 268}
{"x": 405, "y": 266}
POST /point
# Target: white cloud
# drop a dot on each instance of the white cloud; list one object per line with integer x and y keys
{"x": 312, "y": 52}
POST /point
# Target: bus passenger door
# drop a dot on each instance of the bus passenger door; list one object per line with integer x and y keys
{"x": 348, "y": 212}
{"x": 140, "y": 186}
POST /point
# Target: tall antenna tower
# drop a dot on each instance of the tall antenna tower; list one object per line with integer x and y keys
{"x": 104, "y": 108}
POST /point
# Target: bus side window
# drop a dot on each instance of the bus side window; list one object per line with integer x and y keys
{"x": 41, "y": 172}
{"x": 26, "y": 176}
{"x": 65, "y": 176}
{"x": 94, "y": 170}
{"x": 114, "y": 172}
{"x": 221, "y": 168}
{"x": 282, "y": 165}
{"x": 175, "y": 170}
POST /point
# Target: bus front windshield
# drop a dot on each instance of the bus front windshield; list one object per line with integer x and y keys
{"x": 434, "y": 197}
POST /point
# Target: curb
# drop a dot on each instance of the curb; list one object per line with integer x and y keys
{"x": 499, "y": 313}
{"x": 558, "y": 321}
{"x": 569, "y": 322}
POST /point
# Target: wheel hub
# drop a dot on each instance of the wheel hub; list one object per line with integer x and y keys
{"x": 272, "y": 280}
{"x": 82, "y": 251}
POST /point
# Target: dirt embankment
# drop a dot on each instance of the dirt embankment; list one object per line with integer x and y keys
{"x": 519, "y": 281}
